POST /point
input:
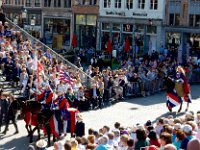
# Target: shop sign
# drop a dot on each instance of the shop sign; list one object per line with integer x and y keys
{"x": 115, "y": 13}
{"x": 140, "y": 14}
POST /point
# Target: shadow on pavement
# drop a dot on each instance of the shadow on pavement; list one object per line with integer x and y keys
{"x": 14, "y": 144}
{"x": 174, "y": 114}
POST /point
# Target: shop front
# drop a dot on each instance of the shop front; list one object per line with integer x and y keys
{"x": 185, "y": 39}
{"x": 142, "y": 38}
{"x": 57, "y": 33}
{"x": 85, "y": 29}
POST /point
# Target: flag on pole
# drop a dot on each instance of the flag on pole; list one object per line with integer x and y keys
{"x": 109, "y": 46}
{"x": 63, "y": 76}
{"x": 127, "y": 45}
{"x": 40, "y": 68}
{"x": 74, "y": 42}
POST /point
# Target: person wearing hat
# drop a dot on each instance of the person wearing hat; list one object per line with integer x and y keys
{"x": 176, "y": 127}
{"x": 188, "y": 133}
{"x": 47, "y": 96}
{"x": 41, "y": 144}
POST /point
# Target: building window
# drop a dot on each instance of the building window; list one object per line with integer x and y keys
{"x": 191, "y": 20}
{"x": 57, "y": 3}
{"x": 105, "y": 26}
{"x": 129, "y": 4}
{"x": 107, "y": 3}
{"x": 118, "y": 3}
{"x": 174, "y": 19}
{"x": 17, "y": 2}
{"x": 171, "y": 19}
{"x": 8, "y": 2}
{"x": 67, "y": 3}
{"x": 177, "y": 19}
{"x": 28, "y": 3}
{"x": 47, "y": 3}
{"x": 37, "y": 3}
{"x": 197, "y": 20}
{"x": 141, "y": 4}
{"x": 154, "y": 4}
{"x": 37, "y": 18}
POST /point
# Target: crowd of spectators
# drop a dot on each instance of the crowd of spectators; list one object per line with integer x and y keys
{"x": 167, "y": 133}
{"x": 141, "y": 76}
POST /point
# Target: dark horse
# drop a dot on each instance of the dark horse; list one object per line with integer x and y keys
{"x": 44, "y": 119}
{"x": 31, "y": 112}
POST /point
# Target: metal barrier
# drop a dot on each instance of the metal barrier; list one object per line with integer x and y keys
{"x": 85, "y": 79}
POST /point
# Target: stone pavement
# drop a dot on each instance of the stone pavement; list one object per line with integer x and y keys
{"x": 128, "y": 113}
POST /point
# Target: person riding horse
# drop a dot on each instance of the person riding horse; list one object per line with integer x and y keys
{"x": 178, "y": 90}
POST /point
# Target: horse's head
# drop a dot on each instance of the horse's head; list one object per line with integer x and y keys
{"x": 33, "y": 106}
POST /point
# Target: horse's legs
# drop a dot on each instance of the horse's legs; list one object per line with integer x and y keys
{"x": 7, "y": 124}
{"x": 170, "y": 109}
{"x": 38, "y": 130}
{"x": 26, "y": 126}
{"x": 54, "y": 138}
{"x": 187, "y": 106}
{"x": 49, "y": 138}
{"x": 31, "y": 135}
{"x": 30, "y": 128}
{"x": 180, "y": 107}
{"x": 15, "y": 125}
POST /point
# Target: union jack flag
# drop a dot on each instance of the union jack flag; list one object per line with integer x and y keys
{"x": 63, "y": 76}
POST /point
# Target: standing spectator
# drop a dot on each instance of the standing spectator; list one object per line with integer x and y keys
{"x": 165, "y": 138}
{"x": 180, "y": 136}
{"x": 2, "y": 17}
{"x": 80, "y": 126}
{"x": 153, "y": 139}
{"x": 103, "y": 144}
{"x": 130, "y": 144}
{"x": 194, "y": 144}
{"x": 23, "y": 79}
{"x": 159, "y": 126}
{"x": 188, "y": 133}
{"x": 141, "y": 139}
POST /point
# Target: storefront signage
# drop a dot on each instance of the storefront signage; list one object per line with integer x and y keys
{"x": 115, "y": 13}
{"x": 140, "y": 14}
{"x": 127, "y": 27}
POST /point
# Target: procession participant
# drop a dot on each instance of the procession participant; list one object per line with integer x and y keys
{"x": 61, "y": 112}
{"x": 182, "y": 87}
